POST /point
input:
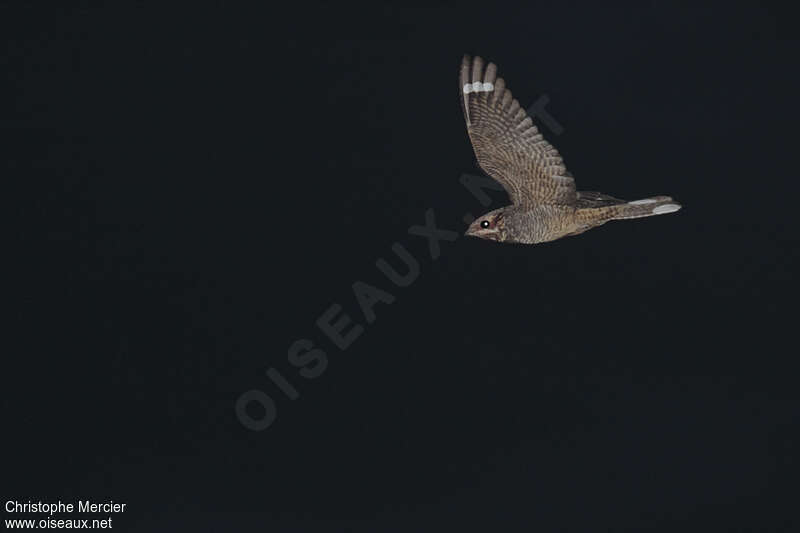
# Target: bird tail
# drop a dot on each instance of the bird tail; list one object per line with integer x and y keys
{"x": 648, "y": 207}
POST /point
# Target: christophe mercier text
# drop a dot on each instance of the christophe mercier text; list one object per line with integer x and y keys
{"x": 86, "y": 506}
{"x": 59, "y": 507}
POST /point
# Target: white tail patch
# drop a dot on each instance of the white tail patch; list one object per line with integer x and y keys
{"x": 478, "y": 87}
{"x": 642, "y": 202}
{"x": 666, "y": 208}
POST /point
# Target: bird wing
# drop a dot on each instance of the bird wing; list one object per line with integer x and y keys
{"x": 507, "y": 144}
{"x": 591, "y": 199}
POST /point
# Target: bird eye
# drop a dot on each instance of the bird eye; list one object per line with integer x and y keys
{"x": 485, "y": 224}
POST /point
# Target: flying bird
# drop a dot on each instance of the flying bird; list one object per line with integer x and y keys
{"x": 545, "y": 205}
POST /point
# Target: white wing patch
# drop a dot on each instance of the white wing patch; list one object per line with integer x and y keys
{"x": 478, "y": 87}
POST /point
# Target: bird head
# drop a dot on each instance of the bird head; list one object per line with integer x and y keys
{"x": 490, "y": 226}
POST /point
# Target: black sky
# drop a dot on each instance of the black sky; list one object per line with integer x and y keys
{"x": 194, "y": 185}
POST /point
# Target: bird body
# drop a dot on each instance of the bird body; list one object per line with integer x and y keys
{"x": 527, "y": 225}
{"x": 545, "y": 203}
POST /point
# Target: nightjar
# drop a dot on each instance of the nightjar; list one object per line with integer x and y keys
{"x": 509, "y": 148}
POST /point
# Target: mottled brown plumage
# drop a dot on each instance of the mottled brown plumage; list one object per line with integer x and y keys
{"x": 510, "y": 149}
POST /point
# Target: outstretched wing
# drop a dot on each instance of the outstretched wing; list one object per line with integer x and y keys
{"x": 507, "y": 144}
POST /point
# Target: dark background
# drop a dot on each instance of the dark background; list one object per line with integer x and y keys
{"x": 194, "y": 185}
